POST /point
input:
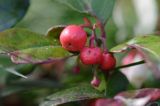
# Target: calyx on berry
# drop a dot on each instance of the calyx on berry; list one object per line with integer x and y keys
{"x": 73, "y": 38}
{"x": 91, "y": 55}
{"x": 108, "y": 61}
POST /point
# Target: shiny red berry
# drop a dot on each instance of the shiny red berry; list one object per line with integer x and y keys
{"x": 73, "y": 38}
{"x": 108, "y": 61}
{"x": 91, "y": 55}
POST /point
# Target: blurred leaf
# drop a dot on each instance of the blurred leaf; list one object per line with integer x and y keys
{"x": 25, "y": 68}
{"x": 3, "y": 76}
{"x": 41, "y": 15}
{"x": 39, "y": 55}
{"x": 156, "y": 103}
{"x": 10, "y": 90}
{"x": 5, "y": 61}
{"x": 12, "y": 11}
{"x": 19, "y": 86}
{"x": 127, "y": 11}
{"x": 37, "y": 83}
{"x": 140, "y": 96}
{"x": 83, "y": 6}
{"x": 81, "y": 92}
{"x": 54, "y": 32}
{"x": 117, "y": 82}
{"x": 13, "y": 72}
{"x": 102, "y": 9}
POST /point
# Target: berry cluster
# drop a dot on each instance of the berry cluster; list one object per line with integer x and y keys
{"x": 73, "y": 38}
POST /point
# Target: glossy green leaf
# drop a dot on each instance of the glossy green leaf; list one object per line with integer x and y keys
{"x": 11, "y": 11}
{"x": 117, "y": 83}
{"x": 39, "y": 55}
{"x": 81, "y": 92}
{"x": 101, "y": 9}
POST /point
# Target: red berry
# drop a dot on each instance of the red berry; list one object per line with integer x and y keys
{"x": 91, "y": 55}
{"x": 95, "y": 81}
{"x": 108, "y": 61}
{"x": 73, "y": 38}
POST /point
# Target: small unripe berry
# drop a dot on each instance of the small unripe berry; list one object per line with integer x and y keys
{"x": 73, "y": 38}
{"x": 108, "y": 61}
{"x": 95, "y": 81}
{"x": 91, "y": 55}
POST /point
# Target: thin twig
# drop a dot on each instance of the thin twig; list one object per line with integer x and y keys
{"x": 103, "y": 34}
{"x": 129, "y": 65}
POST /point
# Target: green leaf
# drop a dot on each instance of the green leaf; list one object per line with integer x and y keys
{"x": 148, "y": 47}
{"x": 81, "y": 92}
{"x": 102, "y": 9}
{"x": 40, "y": 20}
{"x": 25, "y": 85}
{"x": 148, "y": 43}
{"x": 24, "y": 69}
{"x": 82, "y": 6}
{"x": 28, "y": 47}
{"x": 11, "y": 11}
{"x": 39, "y": 55}
{"x": 16, "y": 39}
{"x": 117, "y": 82}
{"x": 3, "y": 75}
{"x": 54, "y": 32}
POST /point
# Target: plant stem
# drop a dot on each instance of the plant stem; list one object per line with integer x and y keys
{"x": 103, "y": 35}
{"x": 87, "y": 23}
{"x": 91, "y": 41}
{"x": 94, "y": 32}
{"x": 129, "y": 65}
